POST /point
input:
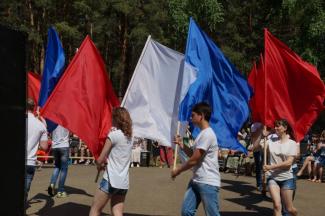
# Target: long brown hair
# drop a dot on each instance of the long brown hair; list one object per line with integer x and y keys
{"x": 122, "y": 121}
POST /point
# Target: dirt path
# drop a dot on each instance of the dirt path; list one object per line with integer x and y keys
{"x": 152, "y": 192}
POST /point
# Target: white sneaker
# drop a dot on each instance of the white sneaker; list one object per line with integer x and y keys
{"x": 138, "y": 165}
{"x": 132, "y": 165}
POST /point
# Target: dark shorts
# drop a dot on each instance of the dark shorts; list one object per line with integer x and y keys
{"x": 289, "y": 184}
{"x": 320, "y": 160}
{"x": 106, "y": 187}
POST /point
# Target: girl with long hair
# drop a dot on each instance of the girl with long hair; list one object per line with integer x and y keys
{"x": 117, "y": 153}
{"x": 280, "y": 180}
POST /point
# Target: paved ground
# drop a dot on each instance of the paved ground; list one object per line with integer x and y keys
{"x": 153, "y": 193}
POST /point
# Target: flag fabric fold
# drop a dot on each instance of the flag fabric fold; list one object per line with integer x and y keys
{"x": 293, "y": 87}
{"x": 83, "y": 99}
{"x": 53, "y": 66}
{"x": 219, "y": 84}
{"x": 53, "y": 69}
{"x": 33, "y": 86}
{"x": 256, "y": 79}
{"x": 154, "y": 92}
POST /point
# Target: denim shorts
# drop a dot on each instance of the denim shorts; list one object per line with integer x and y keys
{"x": 106, "y": 187}
{"x": 289, "y": 184}
{"x": 320, "y": 160}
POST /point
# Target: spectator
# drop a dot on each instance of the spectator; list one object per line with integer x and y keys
{"x": 74, "y": 148}
{"x": 136, "y": 152}
{"x": 309, "y": 157}
{"x": 320, "y": 160}
{"x": 155, "y": 153}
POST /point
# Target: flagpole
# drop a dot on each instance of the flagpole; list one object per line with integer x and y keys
{"x": 97, "y": 176}
{"x": 136, "y": 67}
{"x": 264, "y": 163}
{"x": 176, "y": 146}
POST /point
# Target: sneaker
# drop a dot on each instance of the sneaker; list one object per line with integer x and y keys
{"x": 132, "y": 165}
{"x": 62, "y": 194}
{"x": 138, "y": 165}
{"x": 50, "y": 190}
{"x": 87, "y": 162}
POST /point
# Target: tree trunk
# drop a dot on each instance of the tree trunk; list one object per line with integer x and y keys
{"x": 31, "y": 14}
{"x": 124, "y": 44}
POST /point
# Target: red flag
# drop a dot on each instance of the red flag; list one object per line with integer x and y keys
{"x": 34, "y": 86}
{"x": 83, "y": 99}
{"x": 293, "y": 88}
{"x": 256, "y": 79}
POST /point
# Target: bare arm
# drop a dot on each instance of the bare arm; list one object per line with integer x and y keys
{"x": 196, "y": 157}
{"x": 285, "y": 165}
{"x": 106, "y": 150}
{"x": 256, "y": 139}
{"x": 298, "y": 150}
{"x": 320, "y": 145}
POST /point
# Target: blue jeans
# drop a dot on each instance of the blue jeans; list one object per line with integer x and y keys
{"x": 258, "y": 159}
{"x": 30, "y": 171}
{"x": 61, "y": 157}
{"x": 197, "y": 192}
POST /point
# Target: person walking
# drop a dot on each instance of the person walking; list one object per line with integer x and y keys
{"x": 60, "y": 149}
{"x": 281, "y": 182}
{"x": 36, "y": 137}
{"x": 117, "y": 149}
{"x": 205, "y": 183}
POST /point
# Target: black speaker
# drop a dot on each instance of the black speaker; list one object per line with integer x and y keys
{"x": 13, "y": 120}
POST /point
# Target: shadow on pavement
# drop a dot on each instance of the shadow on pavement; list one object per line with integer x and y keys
{"x": 66, "y": 209}
{"x": 248, "y": 197}
{"x": 72, "y": 190}
{"x": 242, "y": 214}
{"x": 131, "y": 214}
{"x": 48, "y": 208}
{"x": 49, "y": 202}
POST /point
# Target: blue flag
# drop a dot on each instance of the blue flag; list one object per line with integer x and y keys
{"x": 219, "y": 84}
{"x": 53, "y": 69}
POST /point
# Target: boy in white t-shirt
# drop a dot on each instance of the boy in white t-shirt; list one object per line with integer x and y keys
{"x": 36, "y": 136}
{"x": 117, "y": 153}
{"x": 205, "y": 183}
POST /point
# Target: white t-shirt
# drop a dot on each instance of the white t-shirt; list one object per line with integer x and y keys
{"x": 279, "y": 152}
{"x": 36, "y": 132}
{"x": 207, "y": 171}
{"x": 60, "y": 137}
{"x": 119, "y": 160}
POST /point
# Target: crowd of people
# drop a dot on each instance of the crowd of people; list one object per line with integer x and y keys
{"x": 206, "y": 160}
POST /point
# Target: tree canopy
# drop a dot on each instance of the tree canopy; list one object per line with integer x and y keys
{"x": 119, "y": 28}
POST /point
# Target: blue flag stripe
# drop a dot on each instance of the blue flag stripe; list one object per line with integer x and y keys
{"x": 219, "y": 84}
{"x": 53, "y": 69}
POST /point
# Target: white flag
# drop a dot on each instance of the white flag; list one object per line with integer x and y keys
{"x": 154, "y": 92}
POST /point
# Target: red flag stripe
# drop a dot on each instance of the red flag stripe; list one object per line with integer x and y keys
{"x": 83, "y": 99}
